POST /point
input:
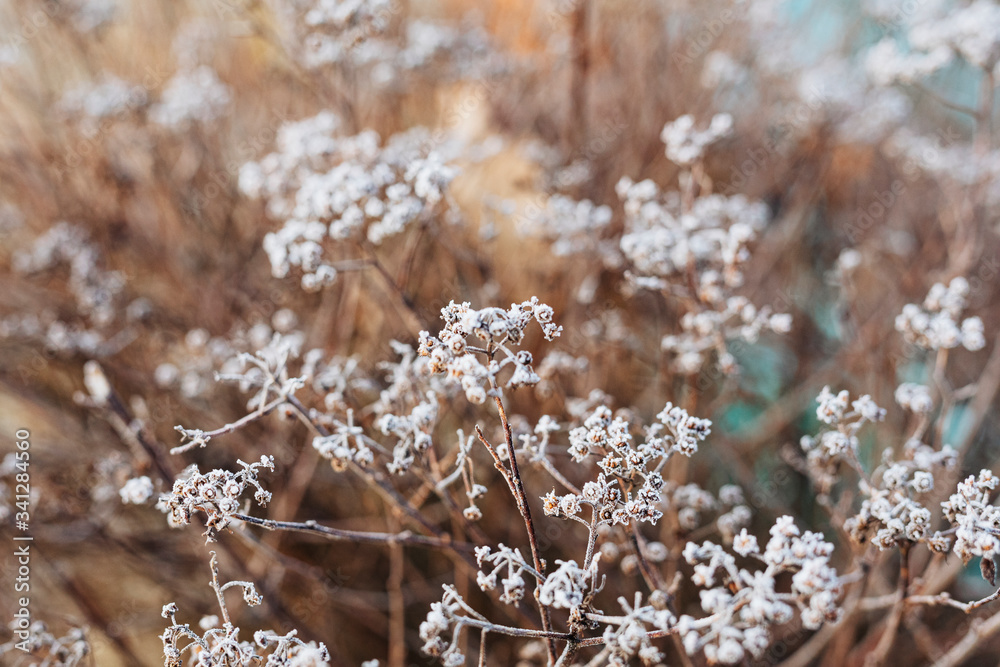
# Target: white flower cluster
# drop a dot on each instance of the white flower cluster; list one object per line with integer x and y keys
{"x": 440, "y": 619}
{"x": 569, "y": 586}
{"x": 216, "y": 493}
{"x": 571, "y": 225}
{"x": 971, "y": 32}
{"x": 743, "y": 605}
{"x": 191, "y": 96}
{"x": 630, "y": 639}
{"x": 708, "y": 330}
{"x": 450, "y": 352}
{"x": 887, "y": 64}
{"x": 503, "y": 557}
{"x": 70, "y": 650}
{"x": 341, "y": 188}
{"x": 267, "y": 371}
{"x": 137, "y": 490}
{"x": 938, "y": 324}
{"x": 378, "y": 36}
{"x": 663, "y": 240}
{"x": 190, "y": 364}
{"x": 110, "y": 97}
{"x": 696, "y": 250}
{"x": 890, "y": 515}
{"x": 97, "y": 293}
{"x": 602, "y": 434}
{"x": 686, "y": 145}
{"x": 608, "y": 437}
{"x": 413, "y": 430}
{"x": 345, "y": 445}
{"x": 976, "y": 520}
{"x": 915, "y": 397}
{"x": 691, "y": 502}
{"x": 839, "y": 443}
{"x": 335, "y": 28}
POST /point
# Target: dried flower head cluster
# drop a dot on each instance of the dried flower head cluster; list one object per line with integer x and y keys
{"x": 744, "y": 604}
{"x": 222, "y": 647}
{"x": 329, "y": 189}
{"x": 191, "y": 96}
{"x": 938, "y": 324}
{"x": 694, "y": 248}
{"x": 499, "y": 329}
{"x": 215, "y": 493}
{"x": 893, "y": 511}
{"x": 686, "y": 145}
{"x": 571, "y": 226}
{"x": 97, "y": 294}
{"x": 627, "y": 468}
{"x": 840, "y": 442}
{"x": 976, "y": 519}
{"x": 934, "y": 36}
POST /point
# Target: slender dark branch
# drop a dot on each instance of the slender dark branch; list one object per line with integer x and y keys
{"x": 522, "y": 503}
{"x": 337, "y": 534}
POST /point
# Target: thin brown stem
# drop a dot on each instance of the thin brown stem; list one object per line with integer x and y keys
{"x": 522, "y": 503}
{"x": 339, "y": 535}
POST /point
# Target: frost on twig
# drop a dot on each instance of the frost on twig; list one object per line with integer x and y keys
{"x": 222, "y": 646}
{"x": 70, "y": 650}
{"x": 216, "y": 494}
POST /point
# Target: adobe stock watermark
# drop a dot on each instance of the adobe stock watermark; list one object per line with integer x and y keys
{"x": 897, "y": 16}
{"x": 31, "y": 24}
{"x": 224, "y": 179}
{"x": 21, "y": 558}
{"x": 88, "y": 143}
{"x": 698, "y": 43}
{"x": 877, "y": 208}
{"x": 758, "y": 157}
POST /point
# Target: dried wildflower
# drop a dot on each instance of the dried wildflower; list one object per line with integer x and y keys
{"x": 331, "y": 189}
{"x": 137, "y": 490}
{"x": 686, "y": 145}
{"x": 915, "y": 398}
{"x": 937, "y": 324}
{"x": 567, "y": 586}
{"x": 191, "y": 96}
{"x": 696, "y": 246}
{"x": 223, "y": 646}
{"x": 499, "y": 329}
{"x": 215, "y": 493}
{"x": 976, "y": 521}
{"x": 346, "y": 445}
{"x": 744, "y": 604}
{"x": 503, "y": 558}
{"x": 627, "y": 637}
